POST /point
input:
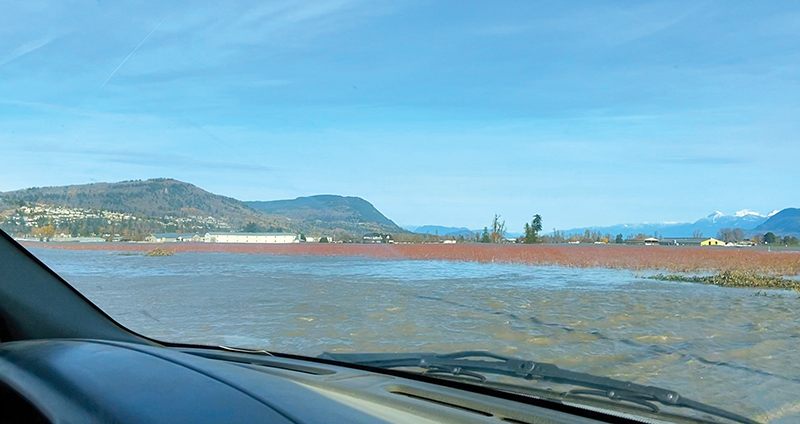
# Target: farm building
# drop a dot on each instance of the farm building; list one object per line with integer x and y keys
{"x": 375, "y": 238}
{"x": 692, "y": 241}
{"x": 172, "y": 237}
{"x": 251, "y": 238}
{"x": 650, "y": 241}
{"x": 68, "y": 239}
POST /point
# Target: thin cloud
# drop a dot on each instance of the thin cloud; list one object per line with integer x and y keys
{"x": 704, "y": 160}
{"x": 25, "y": 49}
{"x": 501, "y": 30}
{"x": 52, "y": 107}
{"x": 262, "y": 24}
{"x": 293, "y": 13}
{"x": 151, "y": 159}
{"x": 264, "y": 83}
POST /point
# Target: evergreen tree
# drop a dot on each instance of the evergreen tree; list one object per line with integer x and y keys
{"x": 252, "y": 227}
{"x": 532, "y": 229}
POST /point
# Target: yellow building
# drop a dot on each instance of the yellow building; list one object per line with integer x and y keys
{"x": 712, "y": 242}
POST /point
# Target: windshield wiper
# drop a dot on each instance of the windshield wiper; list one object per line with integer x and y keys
{"x": 460, "y": 363}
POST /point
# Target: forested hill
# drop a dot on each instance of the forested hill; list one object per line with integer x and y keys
{"x": 352, "y": 215}
{"x": 135, "y": 209}
{"x": 151, "y": 198}
{"x": 785, "y": 222}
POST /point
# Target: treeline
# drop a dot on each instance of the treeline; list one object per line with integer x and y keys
{"x": 426, "y": 238}
{"x": 587, "y": 237}
{"x": 771, "y": 238}
{"x": 727, "y": 235}
{"x": 256, "y": 227}
{"x": 734, "y": 235}
{"x": 496, "y": 233}
{"x": 129, "y": 229}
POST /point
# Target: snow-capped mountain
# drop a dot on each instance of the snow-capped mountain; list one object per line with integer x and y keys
{"x": 743, "y": 219}
{"x": 708, "y": 226}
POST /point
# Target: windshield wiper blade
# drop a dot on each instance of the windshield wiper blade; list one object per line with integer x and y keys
{"x": 463, "y": 363}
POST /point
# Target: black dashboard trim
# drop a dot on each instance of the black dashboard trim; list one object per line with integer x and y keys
{"x": 487, "y": 391}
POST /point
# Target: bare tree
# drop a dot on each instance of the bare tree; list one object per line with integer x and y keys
{"x": 730, "y": 235}
{"x": 498, "y": 229}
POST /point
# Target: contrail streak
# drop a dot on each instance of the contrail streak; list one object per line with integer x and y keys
{"x": 131, "y": 53}
{"x": 24, "y": 49}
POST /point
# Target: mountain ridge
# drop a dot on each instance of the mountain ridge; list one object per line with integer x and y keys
{"x": 167, "y": 203}
{"x": 341, "y": 214}
{"x": 442, "y": 230}
{"x": 170, "y": 205}
{"x": 708, "y": 226}
{"x": 784, "y": 223}
{"x": 153, "y": 197}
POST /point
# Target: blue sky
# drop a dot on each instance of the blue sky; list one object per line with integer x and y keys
{"x": 589, "y": 113}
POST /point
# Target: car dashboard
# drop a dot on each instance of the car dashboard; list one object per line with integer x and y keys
{"x": 100, "y": 381}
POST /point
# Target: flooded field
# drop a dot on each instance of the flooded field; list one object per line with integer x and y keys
{"x": 781, "y": 261}
{"x": 731, "y": 347}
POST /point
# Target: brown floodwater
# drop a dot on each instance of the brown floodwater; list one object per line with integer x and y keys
{"x": 734, "y": 348}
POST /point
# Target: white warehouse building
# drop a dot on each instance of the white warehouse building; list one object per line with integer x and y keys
{"x": 251, "y": 238}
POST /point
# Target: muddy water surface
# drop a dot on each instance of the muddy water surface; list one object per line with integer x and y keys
{"x": 733, "y": 348}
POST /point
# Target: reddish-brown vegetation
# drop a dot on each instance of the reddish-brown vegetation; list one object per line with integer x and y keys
{"x": 679, "y": 259}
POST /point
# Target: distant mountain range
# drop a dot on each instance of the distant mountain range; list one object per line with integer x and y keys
{"x": 782, "y": 223}
{"x": 440, "y": 230}
{"x": 451, "y": 231}
{"x": 163, "y": 204}
{"x": 708, "y": 226}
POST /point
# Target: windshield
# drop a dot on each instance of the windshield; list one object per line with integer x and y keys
{"x": 607, "y": 187}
